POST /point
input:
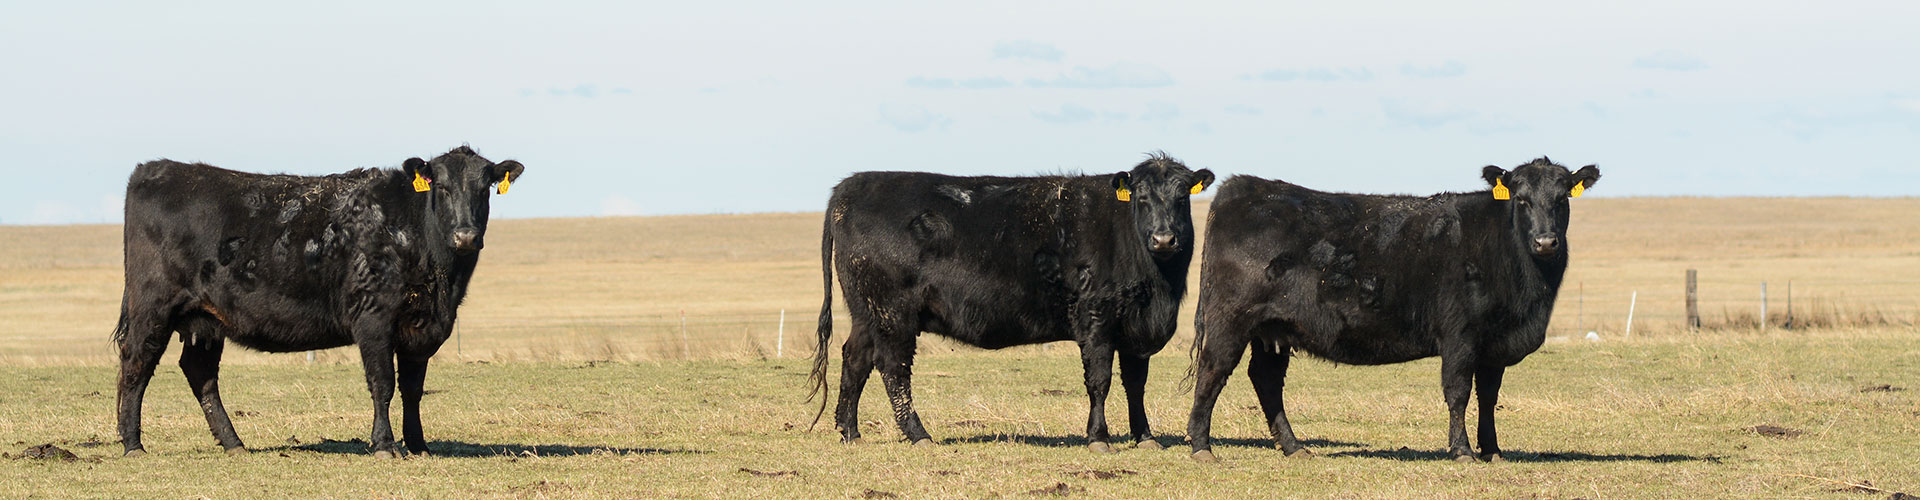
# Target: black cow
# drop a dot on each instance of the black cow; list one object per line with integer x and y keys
{"x": 1004, "y": 261}
{"x": 1371, "y": 280}
{"x": 282, "y": 263}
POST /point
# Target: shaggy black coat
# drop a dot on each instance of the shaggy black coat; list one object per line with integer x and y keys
{"x": 1002, "y": 261}
{"x": 284, "y": 263}
{"x": 1370, "y": 280}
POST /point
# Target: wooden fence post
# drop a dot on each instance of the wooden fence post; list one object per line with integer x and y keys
{"x": 1763, "y": 305}
{"x": 1693, "y": 300}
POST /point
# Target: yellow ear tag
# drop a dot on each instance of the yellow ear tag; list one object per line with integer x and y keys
{"x": 1500, "y": 190}
{"x": 420, "y": 184}
{"x": 505, "y": 180}
{"x": 1123, "y": 194}
{"x": 1579, "y": 188}
{"x": 1197, "y": 187}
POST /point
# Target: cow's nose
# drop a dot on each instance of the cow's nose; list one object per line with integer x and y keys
{"x": 1163, "y": 242}
{"x": 466, "y": 240}
{"x": 1545, "y": 244}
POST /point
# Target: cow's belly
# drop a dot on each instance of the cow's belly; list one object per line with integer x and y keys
{"x": 277, "y": 324}
{"x": 1363, "y": 346}
{"x": 995, "y": 317}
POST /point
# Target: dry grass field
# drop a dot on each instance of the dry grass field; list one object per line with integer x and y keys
{"x": 570, "y": 379}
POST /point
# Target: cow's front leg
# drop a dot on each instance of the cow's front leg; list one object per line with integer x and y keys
{"x": 894, "y": 355}
{"x": 1133, "y": 376}
{"x": 376, "y": 356}
{"x": 413, "y": 381}
{"x": 1096, "y": 356}
{"x": 1487, "y": 390}
{"x": 1456, "y": 382}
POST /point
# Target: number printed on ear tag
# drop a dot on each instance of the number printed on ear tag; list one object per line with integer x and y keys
{"x": 1500, "y": 190}
{"x": 420, "y": 184}
{"x": 1123, "y": 194}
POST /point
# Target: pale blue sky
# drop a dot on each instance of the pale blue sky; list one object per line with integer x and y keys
{"x": 702, "y": 107}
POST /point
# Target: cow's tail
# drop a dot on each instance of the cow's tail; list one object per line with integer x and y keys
{"x": 822, "y": 352}
{"x": 120, "y": 328}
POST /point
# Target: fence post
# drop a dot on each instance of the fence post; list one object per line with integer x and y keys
{"x": 780, "y": 342}
{"x": 1789, "y": 305}
{"x": 1631, "y": 302}
{"x": 1693, "y": 300}
{"x": 1763, "y": 305}
{"x": 1580, "y": 311}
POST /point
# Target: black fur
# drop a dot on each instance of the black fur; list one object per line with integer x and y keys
{"x": 1003, "y": 261}
{"x": 1369, "y": 280}
{"x": 284, "y": 263}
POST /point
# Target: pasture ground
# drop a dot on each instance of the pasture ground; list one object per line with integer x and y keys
{"x": 1646, "y": 418}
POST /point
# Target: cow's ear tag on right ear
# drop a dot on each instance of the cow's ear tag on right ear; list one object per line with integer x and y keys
{"x": 1198, "y": 187}
{"x": 1578, "y": 189}
{"x": 1500, "y": 190}
{"x": 1123, "y": 194}
{"x": 505, "y": 180}
{"x": 420, "y": 184}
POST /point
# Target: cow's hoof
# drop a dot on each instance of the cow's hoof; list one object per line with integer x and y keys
{"x": 136, "y": 453}
{"x": 1495, "y": 458}
{"x": 1300, "y": 453}
{"x": 383, "y": 454}
{"x": 1465, "y": 459}
{"x": 1149, "y": 444}
{"x": 1205, "y": 457}
{"x": 923, "y": 443}
{"x": 237, "y": 451}
{"x": 1100, "y": 447}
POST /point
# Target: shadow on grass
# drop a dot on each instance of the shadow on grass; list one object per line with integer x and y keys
{"x": 458, "y": 449}
{"x": 1167, "y": 441}
{"x": 1411, "y": 455}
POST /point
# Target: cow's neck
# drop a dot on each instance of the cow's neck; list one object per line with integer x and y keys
{"x": 432, "y": 265}
{"x": 1537, "y": 279}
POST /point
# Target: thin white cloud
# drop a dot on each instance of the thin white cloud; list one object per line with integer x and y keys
{"x": 1911, "y": 105}
{"x": 1027, "y": 49}
{"x": 1069, "y": 113}
{"x": 912, "y": 118}
{"x": 618, "y": 206}
{"x": 1116, "y": 76}
{"x": 1447, "y": 70}
{"x": 1312, "y": 75}
{"x": 985, "y": 82}
{"x": 1243, "y": 110}
{"x": 1669, "y": 60}
{"x": 1423, "y": 114}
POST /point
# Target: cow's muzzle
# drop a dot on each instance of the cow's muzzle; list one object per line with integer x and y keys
{"x": 465, "y": 241}
{"x": 1545, "y": 245}
{"x": 1163, "y": 243}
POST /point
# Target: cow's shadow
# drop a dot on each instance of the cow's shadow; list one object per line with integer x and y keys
{"x": 1412, "y": 455}
{"x": 456, "y": 449}
{"x": 1167, "y": 441}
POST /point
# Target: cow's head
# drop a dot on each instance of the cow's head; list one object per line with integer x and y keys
{"x": 1535, "y": 195}
{"x": 1157, "y": 191}
{"x": 457, "y": 185}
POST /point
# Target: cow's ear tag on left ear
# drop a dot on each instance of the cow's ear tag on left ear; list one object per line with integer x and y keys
{"x": 1578, "y": 189}
{"x": 1198, "y": 187}
{"x": 505, "y": 180}
{"x": 1500, "y": 190}
{"x": 1123, "y": 194}
{"x": 420, "y": 184}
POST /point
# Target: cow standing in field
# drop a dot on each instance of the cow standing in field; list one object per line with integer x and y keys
{"x": 1003, "y": 261}
{"x": 1372, "y": 280}
{"x": 280, "y": 263}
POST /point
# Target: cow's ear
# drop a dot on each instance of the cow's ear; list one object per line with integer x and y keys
{"x": 1493, "y": 175}
{"x": 1585, "y": 177}
{"x": 415, "y": 166}
{"x": 1120, "y": 190}
{"x": 504, "y": 173}
{"x": 1201, "y": 180}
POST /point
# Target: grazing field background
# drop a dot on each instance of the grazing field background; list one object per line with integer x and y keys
{"x": 573, "y": 376}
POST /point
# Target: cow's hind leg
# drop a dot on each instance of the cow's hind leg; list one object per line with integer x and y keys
{"x": 413, "y": 381}
{"x": 893, "y": 352}
{"x": 1268, "y": 371}
{"x": 201, "y": 344}
{"x": 142, "y": 340}
{"x": 1096, "y": 358}
{"x": 1133, "y": 376}
{"x": 856, "y": 364}
{"x": 1215, "y": 362}
{"x": 1487, "y": 384}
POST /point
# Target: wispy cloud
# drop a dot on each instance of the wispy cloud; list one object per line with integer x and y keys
{"x": 1911, "y": 105}
{"x": 1243, "y": 110}
{"x": 912, "y": 118}
{"x": 1069, "y": 113}
{"x": 1160, "y": 112}
{"x": 1669, "y": 60}
{"x": 1116, "y": 76}
{"x": 1447, "y": 70}
{"x": 1423, "y": 114}
{"x": 1027, "y": 49}
{"x": 988, "y": 82}
{"x": 618, "y": 206}
{"x": 1312, "y": 75}
{"x": 583, "y": 90}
